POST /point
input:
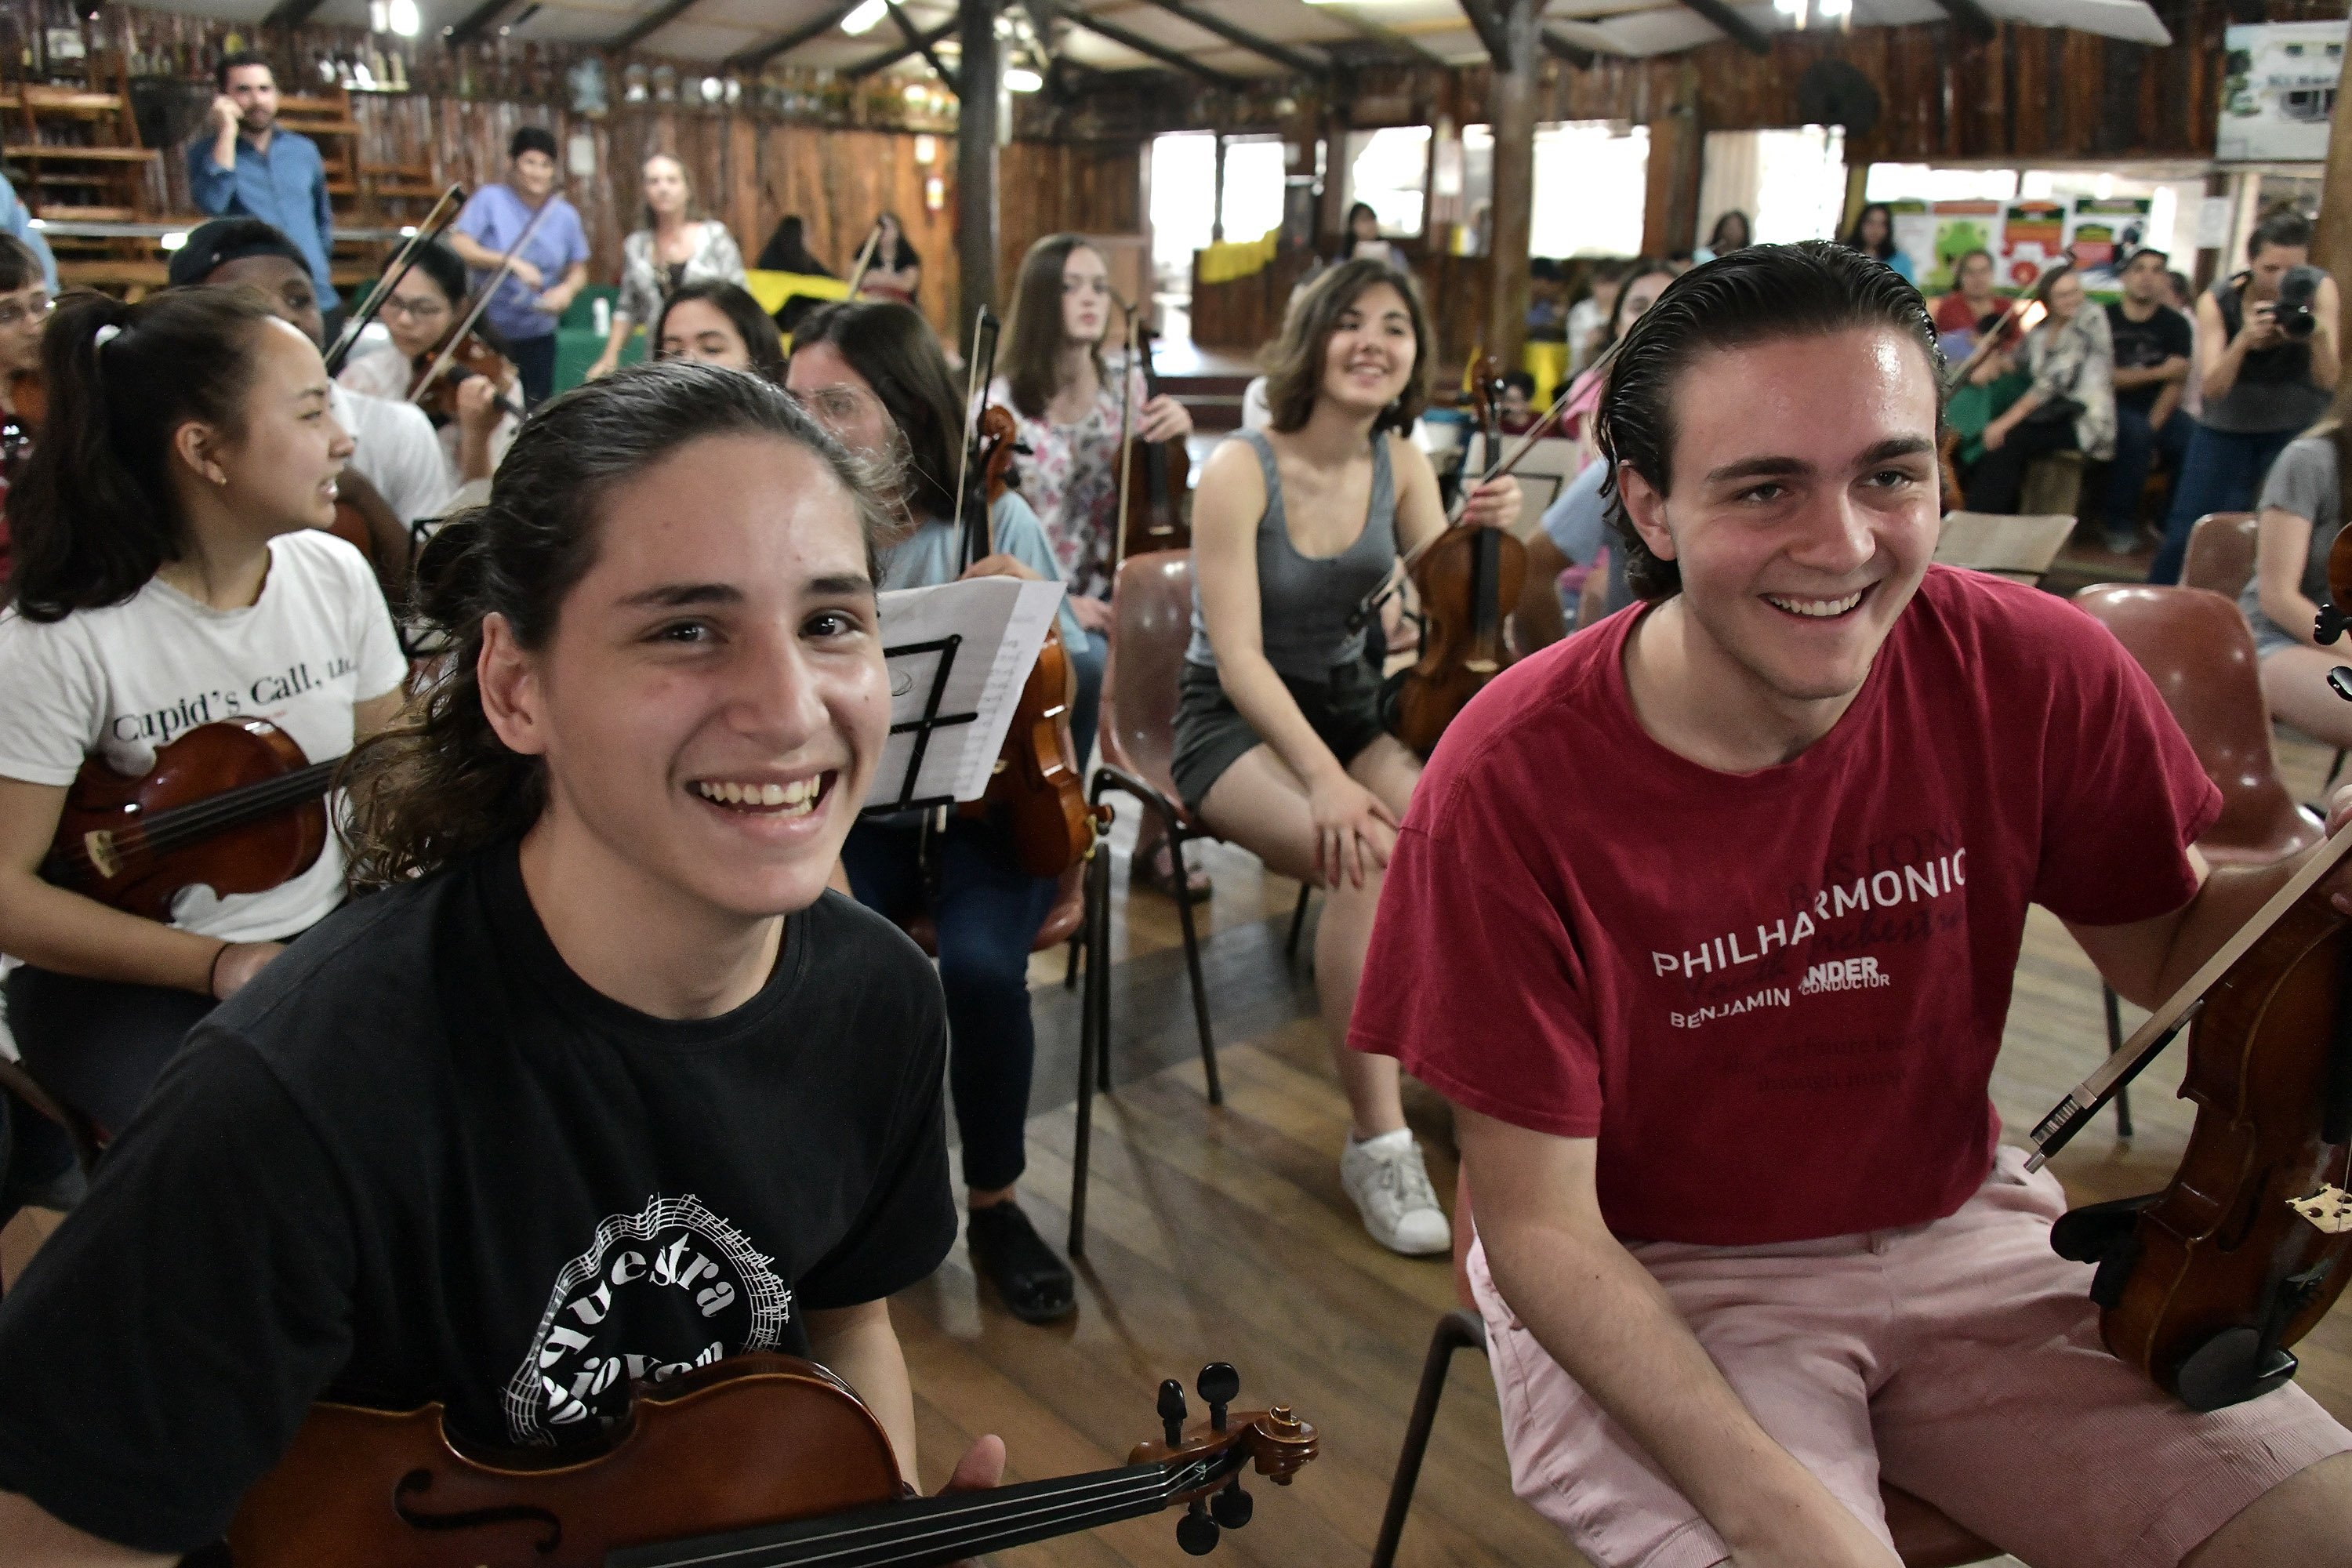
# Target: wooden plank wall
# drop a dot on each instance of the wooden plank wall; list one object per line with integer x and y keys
{"x": 750, "y": 171}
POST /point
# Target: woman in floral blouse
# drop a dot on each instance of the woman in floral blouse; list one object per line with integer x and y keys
{"x": 2069, "y": 407}
{"x": 673, "y": 248}
{"x": 1067, "y": 402}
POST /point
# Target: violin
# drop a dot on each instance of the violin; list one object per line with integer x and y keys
{"x": 757, "y": 1461}
{"x": 1465, "y": 578}
{"x": 2205, "y": 1286}
{"x": 233, "y": 805}
{"x": 1035, "y": 791}
{"x": 1156, "y": 479}
{"x": 2005, "y": 334}
{"x": 433, "y": 388}
{"x": 365, "y": 521}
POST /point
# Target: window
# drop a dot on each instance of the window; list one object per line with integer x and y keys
{"x": 1255, "y": 176}
{"x": 1184, "y": 199}
{"x": 1389, "y": 169}
{"x": 1591, "y": 184}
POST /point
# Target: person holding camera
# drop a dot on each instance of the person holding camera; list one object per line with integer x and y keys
{"x": 2266, "y": 360}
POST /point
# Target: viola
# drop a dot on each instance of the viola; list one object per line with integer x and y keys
{"x": 433, "y": 388}
{"x": 2206, "y": 1285}
{"x": 232, "y": 806}
{"x": 1035, "y": 791}
{"x": 757, "y": 1461}
{"x": 1465, "y": 578}
{"x": 1156, "y": 479}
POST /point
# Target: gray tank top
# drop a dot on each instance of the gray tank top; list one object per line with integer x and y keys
{"x": 1311, "y": 607}
{"x": 2273, "y": 390}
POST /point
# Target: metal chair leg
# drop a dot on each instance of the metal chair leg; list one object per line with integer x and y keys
{"x": 1192, "y": 965}
{"x": 1298, "y": 922}
{"x": 1094, "y": 1031}
{"x": 1458, "y": 1329}
{"x": 2115, "y": 1044}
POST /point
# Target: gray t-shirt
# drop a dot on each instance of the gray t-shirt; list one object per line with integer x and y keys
{"x": 2302, "y": 482}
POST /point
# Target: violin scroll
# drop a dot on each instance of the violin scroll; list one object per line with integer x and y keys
{"x": 1274, "y": 1442}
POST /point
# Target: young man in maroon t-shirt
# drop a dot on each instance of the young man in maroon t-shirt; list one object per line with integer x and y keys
{"x": 1705, "y": 921}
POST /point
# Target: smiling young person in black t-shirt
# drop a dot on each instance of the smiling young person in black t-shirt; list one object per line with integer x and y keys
{"x": 604, "y": 1086}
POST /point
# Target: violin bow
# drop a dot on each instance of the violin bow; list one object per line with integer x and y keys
{"x": 864, "y": 260}
{"x": 980, "y": 369}
{"x": 2072, "y": 1114}
{"x": 481, "y": 301}
{"x": 1125, "y": 436}
{"x": 1499, "y": 468}
{"x": 404, "y": 261}
{"x": 1987, "y": 342}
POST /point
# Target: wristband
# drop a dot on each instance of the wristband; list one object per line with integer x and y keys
{"x": 211, "y": 976}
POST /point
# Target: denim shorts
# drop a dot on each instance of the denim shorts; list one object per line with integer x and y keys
{"x": 1211, "y": 735}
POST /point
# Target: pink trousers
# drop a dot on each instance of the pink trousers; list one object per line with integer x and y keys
{"x": 1959, "y": 1360}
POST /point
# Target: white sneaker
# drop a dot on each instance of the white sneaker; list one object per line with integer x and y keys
{"x": 1391, "y": 1186}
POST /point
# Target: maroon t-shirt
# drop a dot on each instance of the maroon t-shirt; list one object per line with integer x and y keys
{"x": 1775, "y": 999}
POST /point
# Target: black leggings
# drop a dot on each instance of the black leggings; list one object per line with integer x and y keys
{"x": 97, "y": 1045}
{"x": 1999, "y": 478}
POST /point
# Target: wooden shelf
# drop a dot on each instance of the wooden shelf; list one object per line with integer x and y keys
{"x": 35, "y": 151}
{"x": 62, "y": 100}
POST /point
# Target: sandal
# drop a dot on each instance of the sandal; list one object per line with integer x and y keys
{"x": 1157, "y": 871}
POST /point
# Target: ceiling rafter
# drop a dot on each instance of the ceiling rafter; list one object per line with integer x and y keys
{"x": 1266, "y": 49}
{"x": 917, "y": 44}
{"x": 1733, "y": 26}
{"x": 1970, "y": 17}
{"x": 814, "y": 27}
{"x": 1174, "y": 58}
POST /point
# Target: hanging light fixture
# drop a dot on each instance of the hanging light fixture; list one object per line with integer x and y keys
{"x": 1020, "y": 78}
{"x": 863, "y": 18}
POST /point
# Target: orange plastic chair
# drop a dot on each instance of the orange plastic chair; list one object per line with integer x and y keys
{"x": 2197, "y": 648}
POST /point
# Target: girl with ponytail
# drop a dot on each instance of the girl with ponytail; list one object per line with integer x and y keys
{"x": 171, "y": 570}
{"x": 604, "y": 1084}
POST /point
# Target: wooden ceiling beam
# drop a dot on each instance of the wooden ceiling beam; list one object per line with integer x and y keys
{"x": 1559, "y": 48}
{"x": 1733, "y": 26}
{"x": 813, "y": 28}
{"x": 292, "y": 13}
{"x": 920, "y": 44}
{"x": 922, "y": 47}
{"x": 475, "y": 22}
{"x": 1265, "y": 49}
{"x": 646, "y": 26}
{"x": 1970, "y": 17}
{"x": 1174, "y": 58}
{"x": 1489, "y": 28}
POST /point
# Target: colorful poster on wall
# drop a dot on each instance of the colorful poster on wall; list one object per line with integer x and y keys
{"x": 1960, "y": 227}
{"x": 2106, "y": 232}
{"x": 1915, "y": 234}
{"x": 2278, "y": 92}
{"x": 2032, "y": 235}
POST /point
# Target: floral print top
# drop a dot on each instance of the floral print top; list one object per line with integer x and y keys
{"x": 1069, "y": 477}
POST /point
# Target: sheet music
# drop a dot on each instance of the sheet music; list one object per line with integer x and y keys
{"x": 1000, "y": 623}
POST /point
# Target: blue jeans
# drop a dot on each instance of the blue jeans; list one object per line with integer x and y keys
{"x": 987, "y": 912}
{"x": 2223, "y": 472}
{"x": 2138, "y": 445}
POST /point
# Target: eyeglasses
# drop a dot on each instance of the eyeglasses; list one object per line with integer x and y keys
{"x": 414, "y": 309}
{"x": 14, "y": 314}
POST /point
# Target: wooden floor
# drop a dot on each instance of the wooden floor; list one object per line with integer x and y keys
{"x": 1222, "y": 1233}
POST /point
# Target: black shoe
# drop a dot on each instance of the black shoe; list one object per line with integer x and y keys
{"x": 1007, "y": 1251}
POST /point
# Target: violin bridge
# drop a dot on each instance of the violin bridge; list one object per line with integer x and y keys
{"x": 99, "y": 844}
{"x": 2329, "y": 1208}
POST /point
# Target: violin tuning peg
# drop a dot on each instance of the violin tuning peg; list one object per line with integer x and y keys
{"x": 1217, "y": 1385}
{"x": 1232, "y": 1507}
{"x": 1196, "y": 1533}
{"x": 1172, "y": 1411}
{"x": 2339, "y": 681}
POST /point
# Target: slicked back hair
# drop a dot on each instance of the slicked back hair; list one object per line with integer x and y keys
{"x": 1765, "y": 292}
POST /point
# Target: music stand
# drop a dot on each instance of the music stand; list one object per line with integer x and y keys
{"x": 922, "y": 725}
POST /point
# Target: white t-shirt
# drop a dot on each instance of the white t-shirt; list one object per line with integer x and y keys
{"x": 384, "y": 371}
{"x": 123, "y": 680}
{"x": 397, "y": 453}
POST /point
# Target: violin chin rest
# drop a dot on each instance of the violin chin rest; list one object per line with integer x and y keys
{"x": 2092, "y": 1234}
{"x": 2230, "y": 1368}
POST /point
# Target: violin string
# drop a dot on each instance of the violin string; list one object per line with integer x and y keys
{"x": 1070, "y": 1508}
{"x": 209, "y": 815}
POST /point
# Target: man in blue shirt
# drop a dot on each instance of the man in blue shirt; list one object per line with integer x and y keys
{"x": 251, "y": 167}
{"x": 549, "y": 269}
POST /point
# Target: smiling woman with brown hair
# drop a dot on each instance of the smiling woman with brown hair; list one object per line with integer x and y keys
{"x": 604, "y": 1084}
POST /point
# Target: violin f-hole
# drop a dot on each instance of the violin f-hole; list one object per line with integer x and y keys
{"x": 419, "y": 1482}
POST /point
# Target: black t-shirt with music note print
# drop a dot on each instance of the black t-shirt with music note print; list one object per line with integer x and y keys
{"x": 419, "y": 1159}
